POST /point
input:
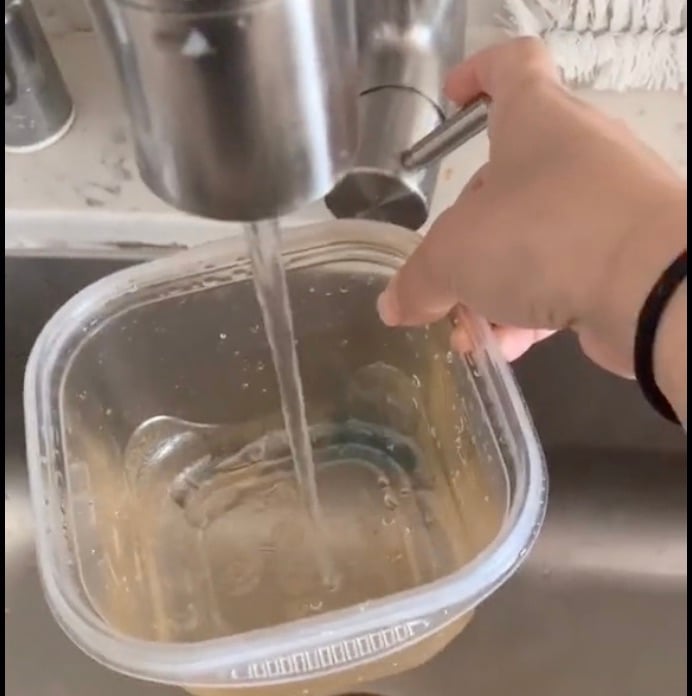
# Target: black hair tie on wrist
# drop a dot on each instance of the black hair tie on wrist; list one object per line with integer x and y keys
{"x": 645, "y": 337}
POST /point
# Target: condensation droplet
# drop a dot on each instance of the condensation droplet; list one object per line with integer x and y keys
{"x": 390, "y": 501}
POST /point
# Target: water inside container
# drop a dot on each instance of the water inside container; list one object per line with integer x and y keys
{"x": 220, "y": 542}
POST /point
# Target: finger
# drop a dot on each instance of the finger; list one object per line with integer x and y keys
{"x": 397, "y": 296}
{"x": 425, "y": 289}
{"x": 476, "y": 181}
{"x": 493, "y": 70}
{"x": 513, "y": 342}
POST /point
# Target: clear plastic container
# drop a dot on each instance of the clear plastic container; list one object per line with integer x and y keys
{"x": 171, "y": 538}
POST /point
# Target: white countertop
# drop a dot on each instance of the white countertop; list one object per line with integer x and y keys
{"x": 90, "y": 174}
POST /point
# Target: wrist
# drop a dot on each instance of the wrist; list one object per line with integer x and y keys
{"x": 655, "y": 235}
{"x": 670, "y": 352}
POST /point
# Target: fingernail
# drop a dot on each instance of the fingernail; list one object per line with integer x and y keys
{"x": 388, "y": 308}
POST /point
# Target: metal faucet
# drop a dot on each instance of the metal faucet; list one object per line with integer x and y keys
{"x": 38, "y": 106}
{"x": 249, "y": 109}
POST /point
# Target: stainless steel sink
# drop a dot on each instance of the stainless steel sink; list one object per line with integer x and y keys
{"x": 599, "y": 608}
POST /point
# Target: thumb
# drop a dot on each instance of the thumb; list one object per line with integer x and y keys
{"x": 425, "y": 289}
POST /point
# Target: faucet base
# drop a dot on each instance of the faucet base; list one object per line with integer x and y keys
{"x": 391, "y": 119}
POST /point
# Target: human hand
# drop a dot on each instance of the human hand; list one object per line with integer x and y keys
{"x": 567, "y": 225}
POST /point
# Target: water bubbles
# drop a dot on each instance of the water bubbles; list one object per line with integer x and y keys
{"x": 343, "y": 342}
{"x": 260, "y": 366}
{"x": 387, "y": 520}
{"x": 316, "y": 605}
{"x": 82, "y": 396}
{"x": 311, "y": 290}
{"x": 223, "y": 336}
{"x": 244, "y": 386}
{"x": 449, "y": 357}
{"x": 416, "y": 381}
{"x": 343, "y": 290}
{"x": 255, "y": 329}
{"x": 390, "y": 501}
